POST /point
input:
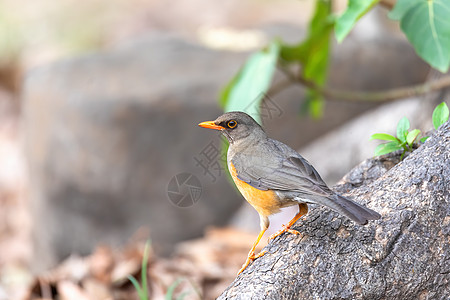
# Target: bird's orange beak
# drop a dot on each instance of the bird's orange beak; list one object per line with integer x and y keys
{"x": 211, "y": 125}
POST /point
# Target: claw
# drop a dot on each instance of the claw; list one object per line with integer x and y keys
{"x": 259, "y": 254}
{"x": 251, "y": 257}
{"x": 285, "y": 229}
{"x": 302, "y": 210}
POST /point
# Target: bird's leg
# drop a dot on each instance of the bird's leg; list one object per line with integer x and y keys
{"x": 302, "y": 210}
{"x": 251, "y": 255}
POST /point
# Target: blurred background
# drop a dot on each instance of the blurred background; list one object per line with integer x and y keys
{"x": 99, "y": 106}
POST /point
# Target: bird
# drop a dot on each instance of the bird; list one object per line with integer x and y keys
{"x": 270, "y": 175}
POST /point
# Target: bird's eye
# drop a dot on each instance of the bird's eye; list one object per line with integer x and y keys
{"x": 231, "y": 124}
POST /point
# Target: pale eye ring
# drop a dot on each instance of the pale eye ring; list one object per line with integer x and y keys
{"x": 231, "y": 124}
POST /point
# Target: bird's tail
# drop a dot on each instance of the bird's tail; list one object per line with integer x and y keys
{"x": 352, "y": 210}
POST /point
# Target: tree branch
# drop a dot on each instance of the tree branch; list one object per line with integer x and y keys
{"x": 342, "y": 95}
{"x": 389, "y": 4}
{"x": 401, "y": 256}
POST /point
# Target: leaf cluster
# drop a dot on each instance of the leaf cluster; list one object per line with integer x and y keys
{"x": 405, "y": 138}
{"x": 425, "y": 24}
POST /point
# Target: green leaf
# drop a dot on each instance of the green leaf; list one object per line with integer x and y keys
{"x": 144, "y": 271}
{"x": 225, "y": 92}
{"x": 387, "y": 148}
{"x": 402, "y": 129}
{"x": 290, "y": 53}
{"x": 135, "y": 283}
{"x": 316, "y": 44}
{"x": 142, "y": 290}
{"x": 171, "y": 289}
{"x": 248, "y": 87}
{"x": 426, "y": 25}
{"x": 313, "y": 54}
{"x": 440, "y": 115}
{"x": 422, "y": 140}
{"x": 314, "y": 104}
{"x": 315, "y": 49}
{"x": 383, "y": 136}
{"x": 412, "y": 135}
{"x": 355, "y": 10}
{"x": 401, "y": 8}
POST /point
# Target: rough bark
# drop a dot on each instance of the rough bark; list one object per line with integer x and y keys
{"x": 405, "y": 255}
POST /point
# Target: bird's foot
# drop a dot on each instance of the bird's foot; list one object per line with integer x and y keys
{"x": 286, "y": 228}
{"x": 251, "y": 257}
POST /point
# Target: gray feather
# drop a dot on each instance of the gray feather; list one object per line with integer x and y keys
{"x": 278, "y": 167}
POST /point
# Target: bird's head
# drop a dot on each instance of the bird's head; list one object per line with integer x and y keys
{"x": 236, "y": 126}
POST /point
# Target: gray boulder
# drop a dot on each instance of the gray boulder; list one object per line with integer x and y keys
{"x": 106, "y": 133}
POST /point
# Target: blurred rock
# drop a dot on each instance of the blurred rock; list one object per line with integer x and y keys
{"x": 105, "y": 135}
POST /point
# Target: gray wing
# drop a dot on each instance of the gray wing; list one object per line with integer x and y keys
{"x": 276, "y": 166}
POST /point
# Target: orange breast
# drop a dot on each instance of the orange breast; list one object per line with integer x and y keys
{"x": 266, "y": 203}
